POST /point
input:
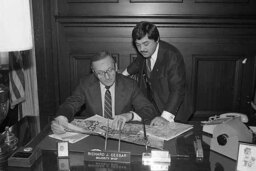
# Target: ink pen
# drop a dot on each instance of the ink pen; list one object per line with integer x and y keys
{"x": 106, "y": 137}
{"x": 119, "y": 138}
{"x": 145, "y": 136}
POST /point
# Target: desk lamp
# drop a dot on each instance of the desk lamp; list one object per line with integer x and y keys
{"x": 15, "y": 35}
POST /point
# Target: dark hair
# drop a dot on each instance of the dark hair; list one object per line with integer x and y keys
{"x": 143, "y": 28}
{"x": 100, "y": 55}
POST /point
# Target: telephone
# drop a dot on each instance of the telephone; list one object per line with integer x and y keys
{"x": 243, "y": 117}
{"x": 208, "y": 126}
{"x": 225, "y": 116}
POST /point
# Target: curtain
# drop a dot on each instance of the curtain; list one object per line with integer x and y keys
{"x": 31, "y": 106}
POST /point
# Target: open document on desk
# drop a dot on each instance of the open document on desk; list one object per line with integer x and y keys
{"x": 98, "y": 125}
{"x": 131, "y": 132}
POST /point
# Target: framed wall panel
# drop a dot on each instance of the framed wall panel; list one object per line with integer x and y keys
{"x": 92, "y": 1}
{"x": 156, "y": 1}
{"x": 155, "y": 8}
{"x": 222, "y": 1}
{"x": 132, "y": 57}
{"x": 217, "y": 84}
{"x": 80, "y": 65}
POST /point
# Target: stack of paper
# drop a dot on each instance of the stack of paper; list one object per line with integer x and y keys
{"x": 71, "y": 137}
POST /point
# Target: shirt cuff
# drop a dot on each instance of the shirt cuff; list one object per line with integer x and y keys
{"x": 125, "y": 72}
{"x": 168, "y": 116}
{"x": 136, "y": 117}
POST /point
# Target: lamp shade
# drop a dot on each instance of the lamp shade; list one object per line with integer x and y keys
{"x": 15, "y": 25}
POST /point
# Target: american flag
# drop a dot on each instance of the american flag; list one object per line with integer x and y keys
{"x": 16, "y": 78}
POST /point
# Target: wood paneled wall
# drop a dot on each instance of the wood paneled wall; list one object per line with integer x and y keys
{"x": 216, "y": 37}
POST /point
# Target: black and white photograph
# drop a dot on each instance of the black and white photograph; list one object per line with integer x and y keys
{"x": 246, "y": 160}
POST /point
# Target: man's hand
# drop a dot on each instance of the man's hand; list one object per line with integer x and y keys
{"x": 120, "y": 120}
{"x": 159, "y": 121}
{"x": 58, "y": 125}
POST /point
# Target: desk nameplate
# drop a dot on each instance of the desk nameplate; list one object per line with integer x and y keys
{"x": 108, "y": 156}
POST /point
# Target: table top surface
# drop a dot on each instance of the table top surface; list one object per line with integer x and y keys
{"x": 181, "y": 145}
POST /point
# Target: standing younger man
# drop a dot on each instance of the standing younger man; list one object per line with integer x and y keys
{"x": 161, "y": 71}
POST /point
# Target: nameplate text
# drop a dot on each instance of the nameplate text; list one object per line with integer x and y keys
{"x": 107, "y": 156}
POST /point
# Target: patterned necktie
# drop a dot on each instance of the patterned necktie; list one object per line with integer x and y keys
{"x": 108, "y": 104}
{"x": 148, "y": 64}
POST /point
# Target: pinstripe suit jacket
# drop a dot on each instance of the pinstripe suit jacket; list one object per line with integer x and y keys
{"x": 167, "y": 79}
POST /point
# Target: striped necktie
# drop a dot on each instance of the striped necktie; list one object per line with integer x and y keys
{"x": 148, "y": 64}
{"x": 108, "y": 104}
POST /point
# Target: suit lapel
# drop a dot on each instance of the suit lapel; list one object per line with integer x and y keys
{"x": 95, "y": 89}
{"x": 159, "y": 59}
{"x": 119, "y": 95}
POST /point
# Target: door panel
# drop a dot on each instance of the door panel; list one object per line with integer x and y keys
{"x": 217, "y": 84}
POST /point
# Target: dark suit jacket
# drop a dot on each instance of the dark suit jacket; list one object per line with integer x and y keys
{"x": 128, "y": 97}
{"x": 167, "y": 79}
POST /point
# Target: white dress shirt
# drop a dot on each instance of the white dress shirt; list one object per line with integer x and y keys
{"x": 112, "y": 91}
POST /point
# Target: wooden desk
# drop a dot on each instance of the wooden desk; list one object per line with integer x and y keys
{"x": 180, "y": 145}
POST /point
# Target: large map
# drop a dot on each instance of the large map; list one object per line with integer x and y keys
{"x": 101, "y": 126}
{"x": 133, "y": 133}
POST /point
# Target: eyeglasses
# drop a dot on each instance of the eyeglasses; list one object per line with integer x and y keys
{"x": 102, "y": 73}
